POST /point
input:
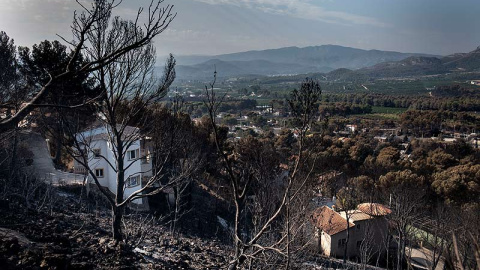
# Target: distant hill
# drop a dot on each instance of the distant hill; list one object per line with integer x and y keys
{"x": 468, "y": 61}
{"x": 288, "y": 60}
{"x": 415, "y": 65}
{"x": 241, "y": 68}
{"x": 412, "y": 66}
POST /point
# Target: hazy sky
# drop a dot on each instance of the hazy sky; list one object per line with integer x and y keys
{"x": 222, "y": 26}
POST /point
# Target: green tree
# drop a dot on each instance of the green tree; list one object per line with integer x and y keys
{"x": 459, "y": 184}
{"x": 405, "y": 191}
{"x": 85, "y": 24}
{"x": 440, "y": 160}
{"x": 388, "y": 158}
{"x": 230, "y": 121}
{"x": 12, "y": 95}
{"x": 37, "y": 66}
{"x": 8, "y": 72}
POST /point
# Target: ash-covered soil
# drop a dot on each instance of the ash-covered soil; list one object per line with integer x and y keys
{"x": 64, "y": 236}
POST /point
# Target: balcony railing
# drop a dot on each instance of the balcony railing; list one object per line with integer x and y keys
{"x": 80, "y": 170}
{"x": 145, "y": 156}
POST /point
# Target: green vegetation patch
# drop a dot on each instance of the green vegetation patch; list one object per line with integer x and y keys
{"x": 379, "y": 116}
{"x": 387, "y": 110}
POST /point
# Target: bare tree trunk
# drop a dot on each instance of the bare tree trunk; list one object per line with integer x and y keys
{"x": 287, "y": 266}
{"x": 319, "y": 244}
{"x": 400, "y": 251}
{"x": 238, "y": 241}
{"x": 345, "y": 250}
{"x": 118, "y": 210}
{"x": 476, "y": 250}
{"x": 58, "y": 143}
{"x": 117, "y": 213}
{"x": 176, "y": 210}
{"x": 459, "y": 263}
{"x": 13, "y": 161}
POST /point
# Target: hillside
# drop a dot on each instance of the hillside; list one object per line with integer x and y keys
{"x": 469, "y": 61}
{"x": 240, "y": 68}
{"x": 414, "y": 66}
{"x": 329, "y": 61}
{"x": 288, "y": 60}
{"x": 71, "y": 236}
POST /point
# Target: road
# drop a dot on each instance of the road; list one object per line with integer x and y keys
{"x": 421, "y": 258}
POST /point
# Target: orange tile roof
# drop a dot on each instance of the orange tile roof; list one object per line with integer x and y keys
{"x": 356, "y": 215}
{"x": 329, "y": 221}
{"x": 374, "y": 209}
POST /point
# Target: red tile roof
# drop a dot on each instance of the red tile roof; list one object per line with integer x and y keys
{"x": 329, "y": 221}
{"x": 355, "y": 215}
{"x": 374, "y": 209}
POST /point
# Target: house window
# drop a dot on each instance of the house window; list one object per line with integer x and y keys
{"x": 133, "y": 181}
{"x": 342, "y": 242}
{"x": 133, "y": 154}
{"x": 99, "y": 173}
{"x": 96, "y": 153}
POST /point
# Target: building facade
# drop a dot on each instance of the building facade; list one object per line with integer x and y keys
{"x": 367, "y": 229}
{"x": 102, "y": 160}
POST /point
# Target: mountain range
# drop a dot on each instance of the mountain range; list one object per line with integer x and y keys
{"x": 413, "y": 66}
{"x": 285, "y": 61}
{"x": 331, "y": 61}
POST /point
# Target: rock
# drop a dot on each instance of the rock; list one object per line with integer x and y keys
{"x": 102, "y": 240}
{"x": 142, "y": 251}
{"x": 44, "y": 264}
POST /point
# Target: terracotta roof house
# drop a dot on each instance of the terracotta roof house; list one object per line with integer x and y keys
{"x": 368, "y": 229}
{"x": 374, "y": 209}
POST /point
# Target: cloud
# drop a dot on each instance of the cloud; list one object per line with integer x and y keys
{"x": 303, "y": 9}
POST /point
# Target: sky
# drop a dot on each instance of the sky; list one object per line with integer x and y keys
{"x": 209, "y": 27}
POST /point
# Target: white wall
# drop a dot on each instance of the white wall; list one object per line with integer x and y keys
{"x": 110, "y": 177}
{"x": 378, "y": 228}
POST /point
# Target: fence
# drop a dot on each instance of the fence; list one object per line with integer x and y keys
{"x": 64, "y": 178}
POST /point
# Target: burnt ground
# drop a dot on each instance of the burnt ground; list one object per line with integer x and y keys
{"x": 69, "y": 236}
{"x": 67, "y": 231}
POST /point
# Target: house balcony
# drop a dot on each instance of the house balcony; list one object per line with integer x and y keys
{"x": 146, "y": 162}
{"x": 80, "y": 170}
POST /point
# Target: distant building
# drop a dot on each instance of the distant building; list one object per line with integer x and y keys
{"x": 351, "y": 128}
{"x": 475, "y": 82}
{"x": 368, "y": 229}
{"x": 381, "y": 138}
{"x": 474, "y": 142}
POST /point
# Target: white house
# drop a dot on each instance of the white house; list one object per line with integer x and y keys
{"x": 475, "y": 82}
{"x": 101, "y": 159}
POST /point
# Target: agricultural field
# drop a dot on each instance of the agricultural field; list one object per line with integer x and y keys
{"x": 387, "y": 110}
